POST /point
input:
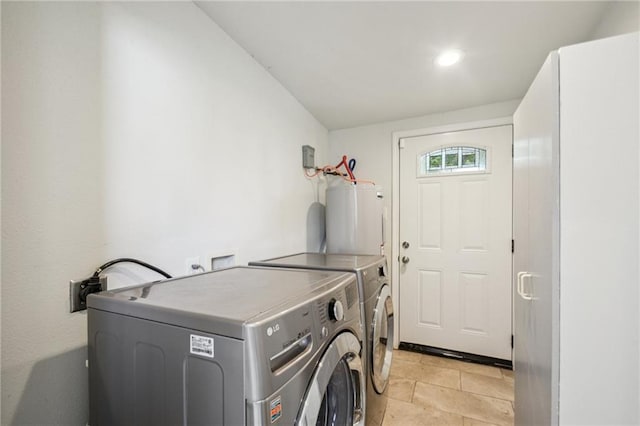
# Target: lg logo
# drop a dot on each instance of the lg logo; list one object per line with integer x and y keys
{"x": 273, "y": 329}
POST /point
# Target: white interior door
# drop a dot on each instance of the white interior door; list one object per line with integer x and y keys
{"x": 455, "y": 234}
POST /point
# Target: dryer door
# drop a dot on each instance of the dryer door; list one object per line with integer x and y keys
{"x": 382, "y": 339}
{"x": 335, "y": 395}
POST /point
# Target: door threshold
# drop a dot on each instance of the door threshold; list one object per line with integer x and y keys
{"x": 460, "y": 356}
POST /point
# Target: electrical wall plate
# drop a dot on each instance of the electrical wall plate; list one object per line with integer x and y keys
{"x": 308, "y": 157}
{"x": 222, "y": 259}
{"x": 75, "y": 304}
{"x": 223, "y": 262}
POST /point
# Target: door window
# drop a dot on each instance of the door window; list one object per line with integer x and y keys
{"x": 337, "y": 404}
{"x": 454, "y": 159}
{"x": 335, "y": 396}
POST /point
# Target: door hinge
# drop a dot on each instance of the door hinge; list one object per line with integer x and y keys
{"x": 401, "y": 143}
{"x": 512, "y": 151}
{"x": 513, "y": 246}
{"x": 512, "y": 341}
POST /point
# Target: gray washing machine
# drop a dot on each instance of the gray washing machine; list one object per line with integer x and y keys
{"x": 377, "y": 311}
{"x": 241, "y": 346}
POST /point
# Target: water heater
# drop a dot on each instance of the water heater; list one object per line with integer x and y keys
{"x": 354, "y": 219}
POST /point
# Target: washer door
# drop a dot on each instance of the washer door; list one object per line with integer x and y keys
{"x": 382, "y": 339}
{"x": 335, "y": 395}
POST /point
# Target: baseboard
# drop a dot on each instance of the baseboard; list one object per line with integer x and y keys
{"x": 460, "y": 356}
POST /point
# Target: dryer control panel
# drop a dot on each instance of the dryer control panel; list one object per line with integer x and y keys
{"x": 283, "y": 344}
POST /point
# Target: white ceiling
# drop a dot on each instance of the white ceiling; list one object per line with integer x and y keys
{"x": 356, "y": 63}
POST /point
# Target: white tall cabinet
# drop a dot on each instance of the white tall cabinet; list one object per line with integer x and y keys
{"x": 577, "y": 235}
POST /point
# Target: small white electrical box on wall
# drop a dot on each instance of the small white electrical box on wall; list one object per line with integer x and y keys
{"x": 222, "y": 260}
{"x": 308, "y": 157}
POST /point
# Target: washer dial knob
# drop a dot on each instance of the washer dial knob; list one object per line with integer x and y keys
{"x": 336, "y": 310}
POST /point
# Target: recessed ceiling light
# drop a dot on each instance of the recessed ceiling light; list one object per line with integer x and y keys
{"x": 449, "y": 57}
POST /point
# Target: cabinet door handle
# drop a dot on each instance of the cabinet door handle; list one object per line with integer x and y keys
{"x": 520, "y": 285}
{"x": 519, "y": 282}
{"x": 527, "y": 295}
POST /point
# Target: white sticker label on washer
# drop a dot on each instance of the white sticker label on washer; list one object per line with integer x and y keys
{"x": 276, "y": 409}
{"x": 201, "y": 345}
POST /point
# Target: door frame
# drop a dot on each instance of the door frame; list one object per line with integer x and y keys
{"x": 395, "y": 198}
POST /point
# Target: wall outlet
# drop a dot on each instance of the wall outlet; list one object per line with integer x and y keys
{"x": 76, "y": 300}
{"x": 189, "y": 263}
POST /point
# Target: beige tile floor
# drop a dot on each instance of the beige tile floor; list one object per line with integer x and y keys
{"x": 429, "y": 390}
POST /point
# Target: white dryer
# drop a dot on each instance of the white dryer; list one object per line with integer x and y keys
{"x": 377, "y": 311}
{"x": 241, "y": 346}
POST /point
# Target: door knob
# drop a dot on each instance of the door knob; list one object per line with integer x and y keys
{"x": 405, "y": 259}
{"x": 405, "y": 244}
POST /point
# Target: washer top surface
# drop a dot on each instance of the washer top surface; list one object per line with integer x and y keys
{"x": 323, "y": 261}
{"x": 219, "y": 302}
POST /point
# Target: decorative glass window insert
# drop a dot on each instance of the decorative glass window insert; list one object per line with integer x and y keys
{"x": 454, "y": 159}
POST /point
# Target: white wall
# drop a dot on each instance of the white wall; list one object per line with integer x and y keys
{"x": 620, "y": 17}
{"x": 129, "y": 129}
